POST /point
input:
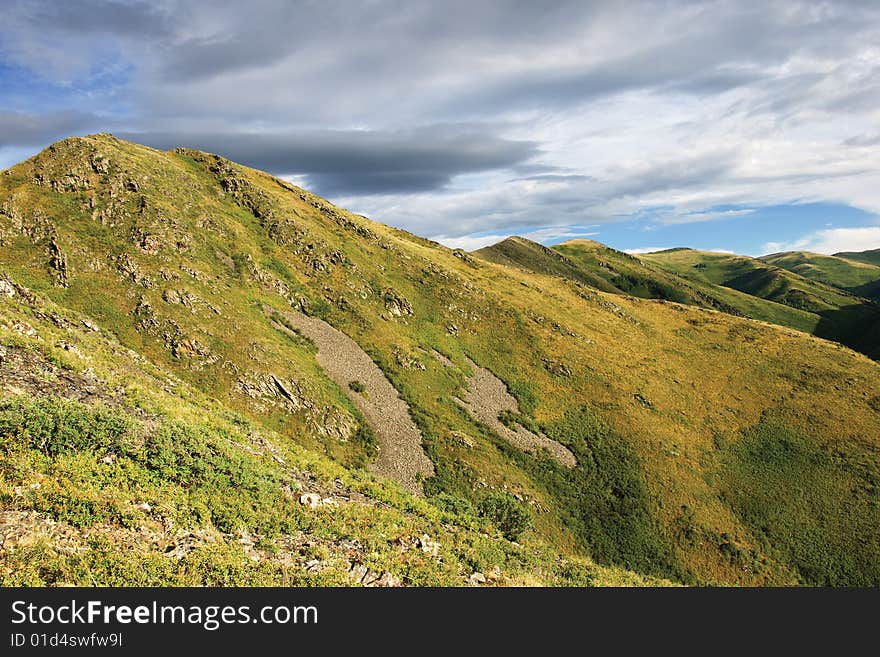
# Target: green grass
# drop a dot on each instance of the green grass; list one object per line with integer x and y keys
{"x": 192, "y": 469}
{"x": 641, "y": 464}
{"x": 814, "y": 505}
{"x": 850, "y": 275}
{"x": 643, "y": 278}
{"x": 836, "y": 314}
{"x": 195, "y": 476}
{"x": 871, "y": 257}
{"x": 532, "y": 256}
{"x": 606, "y": 501}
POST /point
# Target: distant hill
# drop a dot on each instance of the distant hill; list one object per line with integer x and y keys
{"x": 642, "y": 278}
{"x": 871, "y": 257}
{"x": 520, "y": 252}
{"x": 736, "y": 285}
{"x": 840, "y": 315}
{"x": 856, "y": 276}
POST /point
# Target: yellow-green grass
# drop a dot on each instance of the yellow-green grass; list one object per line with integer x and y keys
{"x": 839, "y": 314}
{"x": 871, "y": 256}
{"x": 658, "y": 392}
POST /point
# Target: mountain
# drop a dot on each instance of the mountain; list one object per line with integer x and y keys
{"x": 212, "y": 376}
{"x": 836, "y": 314}
{"x": 644, "y": 279}
{"x": 850, "y": 274}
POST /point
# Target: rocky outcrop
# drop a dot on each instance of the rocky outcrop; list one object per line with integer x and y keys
{"x": 58, "y": 264}
{"x": 405, "y": 361}
{"x": 274, "y": 392}
{"x": 557, "y": 368}
{"x": 395, "y": 303}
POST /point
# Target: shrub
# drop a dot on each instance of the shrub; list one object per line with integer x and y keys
{"x": 54, "y": 425}
{"x": 453, "y": 503}
{"x": 507, "y": 513}
{"x": 365, "y": 437}
{"x": 357, "y": 386}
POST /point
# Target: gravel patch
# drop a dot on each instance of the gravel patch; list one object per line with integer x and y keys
{"x": 401, "y": 456}
{"x": 487, "y": 397}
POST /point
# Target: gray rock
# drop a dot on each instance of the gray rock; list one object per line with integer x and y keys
{"x": 311, "y": 500}
{"x": 476, "y": 579}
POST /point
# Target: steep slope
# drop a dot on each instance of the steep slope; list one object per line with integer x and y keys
{"x": 629, "y": 275}
{"x": 683, "y": 422}
{"x": 859, "y": 278}
{"x": 644, "y": 279}
{"x": 116, "y": 472}
{"x": 840, "y": 316}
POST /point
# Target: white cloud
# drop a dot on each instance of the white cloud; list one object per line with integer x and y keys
{"x": 552, "y": 234}
{"x": 469, "y": 242}
{"x": 696, "y": 217}
{"x": 831, "y": 240}
{"x": 647, "y": 249}
{"x": 680, "y": 117}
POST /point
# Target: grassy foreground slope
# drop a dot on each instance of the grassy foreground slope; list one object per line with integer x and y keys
{"x": 840, "y": 315}
{"x": 116, "y": 472}
{"x": 710, "y": 448}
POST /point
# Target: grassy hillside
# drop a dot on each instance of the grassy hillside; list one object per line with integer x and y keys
{"x": 871, "y": 257}
{"x": 840, "y": 315}
{"x": 116, "y": 472}
{"x": 627, "y": 274}
{"x": 645, "y": 279}
{"x": 520, "y": 252}
{"x": 859, "y": 278}
{"x": 178, "y": 259}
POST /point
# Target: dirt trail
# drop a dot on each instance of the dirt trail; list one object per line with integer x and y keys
{"x": 487, "y": 397}
{"x": 401, "y": 456}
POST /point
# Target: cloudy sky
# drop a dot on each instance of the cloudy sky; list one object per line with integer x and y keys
{"x": 744, "y": 126}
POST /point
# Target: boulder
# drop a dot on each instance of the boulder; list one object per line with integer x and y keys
{"x": 428, "y": 546}
{"x": 396, "y": 304}
{"x": 311, "y": 500}
{"x": 476, "y": 579}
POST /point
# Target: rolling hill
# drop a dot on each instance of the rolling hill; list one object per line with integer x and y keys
{"x": 212, "y": 376}
{"x": 851, "y": 274}
{"x": 871, "y": 257}
{"x": 839, "y": 314}
{"x": 630, "y": 275}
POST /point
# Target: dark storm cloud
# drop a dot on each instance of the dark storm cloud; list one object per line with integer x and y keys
{"x": 562, "y": 107}
{"x": 136, "y": 19}
{"x": 362, "y": 162}
{"x": 19, "y": 129}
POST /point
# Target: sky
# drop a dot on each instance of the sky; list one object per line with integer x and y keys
{"x": 737, "y": 126}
